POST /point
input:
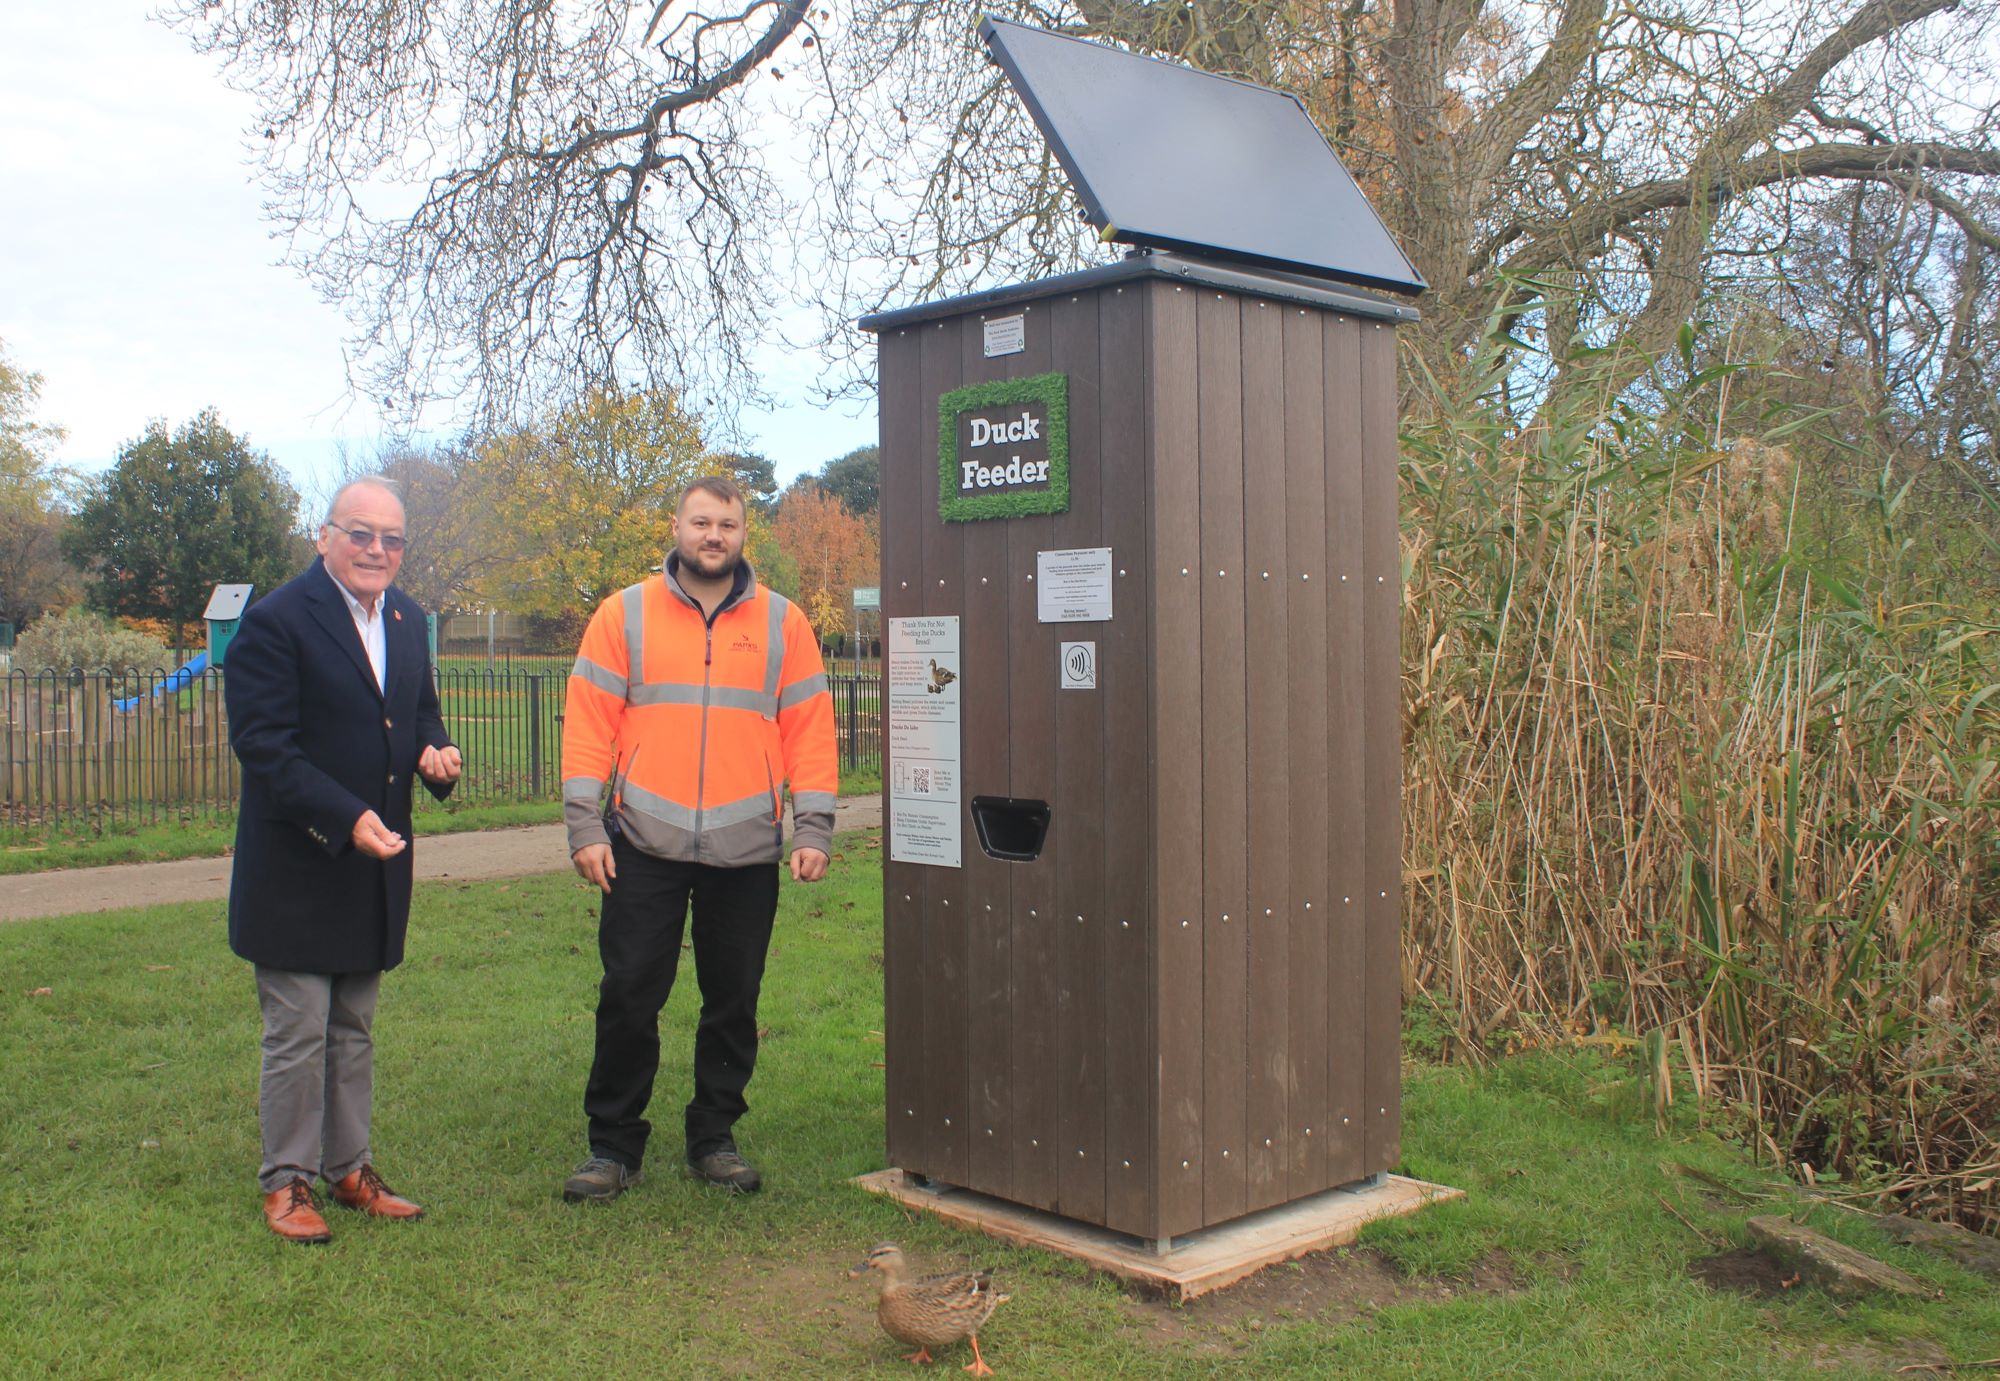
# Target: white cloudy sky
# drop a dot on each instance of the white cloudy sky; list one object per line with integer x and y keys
{"x": 138, "y": 279}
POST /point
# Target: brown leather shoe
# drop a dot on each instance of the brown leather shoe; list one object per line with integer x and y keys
{"x": 363, "y": 1189}
{"x": 294, "y": 1216}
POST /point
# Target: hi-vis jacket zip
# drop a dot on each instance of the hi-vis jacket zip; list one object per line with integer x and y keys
{"x": 697, "y": 724}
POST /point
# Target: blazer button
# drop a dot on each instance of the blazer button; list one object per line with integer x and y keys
{"x": 392, "y": 779}
{"x": 388, "y": 723}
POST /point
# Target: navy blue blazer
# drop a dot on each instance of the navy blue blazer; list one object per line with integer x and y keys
{"x": 320, "y": 744}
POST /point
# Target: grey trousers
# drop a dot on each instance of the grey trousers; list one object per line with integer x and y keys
{"x": 317, "y": 1091}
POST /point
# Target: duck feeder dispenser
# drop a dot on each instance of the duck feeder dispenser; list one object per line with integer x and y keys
{"x": 1141, "y": 584}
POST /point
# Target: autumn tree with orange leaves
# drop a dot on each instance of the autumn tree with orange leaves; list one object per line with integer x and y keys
{"x": 832, "y": 551}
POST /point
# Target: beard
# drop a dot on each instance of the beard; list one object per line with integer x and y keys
{"x": 711, "y": 565}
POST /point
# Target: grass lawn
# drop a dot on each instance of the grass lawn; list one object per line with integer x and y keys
{"x": 70, "y": 845}
{"x": 130, "y": 1243}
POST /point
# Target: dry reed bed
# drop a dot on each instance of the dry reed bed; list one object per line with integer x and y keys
{"x": 1666, "y": 782}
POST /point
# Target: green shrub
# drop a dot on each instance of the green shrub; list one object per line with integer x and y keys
{"x": 79, "y": 638}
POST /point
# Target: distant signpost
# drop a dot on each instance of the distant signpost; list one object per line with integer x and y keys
{"x": 865, "y": 597}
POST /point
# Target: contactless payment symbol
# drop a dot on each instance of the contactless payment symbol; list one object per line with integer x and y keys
{"x": 1079, "y": 666}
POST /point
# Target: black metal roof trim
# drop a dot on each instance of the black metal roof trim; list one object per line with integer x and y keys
{"x": 1251, "y": 282}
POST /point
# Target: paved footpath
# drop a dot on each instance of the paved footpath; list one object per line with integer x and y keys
{"x": 476, "y": 854}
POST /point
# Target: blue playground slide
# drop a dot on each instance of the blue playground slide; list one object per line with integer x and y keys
{"x": 178, "y": 680}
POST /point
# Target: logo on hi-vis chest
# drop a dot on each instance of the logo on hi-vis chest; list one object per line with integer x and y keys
{"x": 746, "y": 643}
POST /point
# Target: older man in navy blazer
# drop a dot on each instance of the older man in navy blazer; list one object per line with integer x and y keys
{"x": 331, "y": 712}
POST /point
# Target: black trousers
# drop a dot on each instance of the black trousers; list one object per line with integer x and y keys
{"x": 639, "y": 939}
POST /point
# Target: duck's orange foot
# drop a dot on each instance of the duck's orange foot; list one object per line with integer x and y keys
{"x": 922, "y": 1355}
{"x": 977, "y": 1366}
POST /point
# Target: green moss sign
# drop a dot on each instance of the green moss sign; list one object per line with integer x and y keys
{"x": 1003, "y": 449}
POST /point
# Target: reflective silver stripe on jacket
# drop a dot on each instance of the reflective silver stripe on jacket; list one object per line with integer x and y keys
{"x": 774, "y": 648}
{"x": 634, "y": 598}
{"x": 801, "y": 691}
{"x": 683, "y": 693}
{"x": 606, "y": 680}
{"x": 734, "y": 834}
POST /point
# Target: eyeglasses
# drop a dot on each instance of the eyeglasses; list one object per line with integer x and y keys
{"x": 363, "y": 538}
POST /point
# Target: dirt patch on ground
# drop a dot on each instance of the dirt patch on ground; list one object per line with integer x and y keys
{"x": 1746, "y": 1271}
{"x": 1331, "y": 1288}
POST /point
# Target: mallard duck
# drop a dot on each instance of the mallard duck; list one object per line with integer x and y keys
{"x": 935, "y": 1311}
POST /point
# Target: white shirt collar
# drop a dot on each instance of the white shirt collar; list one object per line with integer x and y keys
{"x": 355, "y": 606}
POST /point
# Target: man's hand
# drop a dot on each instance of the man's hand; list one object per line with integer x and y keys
{"x": 376, "y": 839}
{"x": 593, "y": 863}
{"x": 808, "y": 865}
{"x": 440, "y": 765}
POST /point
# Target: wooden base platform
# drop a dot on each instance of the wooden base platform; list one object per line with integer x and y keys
{"x": 1195, "y": 1264}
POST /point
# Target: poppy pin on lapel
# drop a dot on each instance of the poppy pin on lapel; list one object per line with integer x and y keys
{"x": 396, "y": 614}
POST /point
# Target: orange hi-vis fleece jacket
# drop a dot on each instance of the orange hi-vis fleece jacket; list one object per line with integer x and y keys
{"x": 698, "y": 724}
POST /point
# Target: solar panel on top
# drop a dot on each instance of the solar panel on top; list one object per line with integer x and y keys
{"x": 1180, "y": 159}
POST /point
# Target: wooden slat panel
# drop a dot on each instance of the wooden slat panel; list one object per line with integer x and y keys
{"x": 1267, "y": 738}
{"x": 1225, "y": 881}
{"x": 1032, "y": 692}
{"x": 1174, "y": 418}
{"x": 989, "y": 882}
{"x": 1305, "y": 578}
{"x": 1382, "y": 771}
{"x": 1125, "y": 676}
{"x": 1346, "y": 819}
{"x": 903, "y": 452}
{"x": 947, "y": 1013}
{"x": 1079, "y": 800}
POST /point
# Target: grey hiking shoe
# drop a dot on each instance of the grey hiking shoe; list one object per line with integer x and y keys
{"x": 599, "y": 1178}
{"x": 727, "y": 1169}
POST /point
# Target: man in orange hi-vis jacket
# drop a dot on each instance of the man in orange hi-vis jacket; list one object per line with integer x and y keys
{"x": 698, "y": 695}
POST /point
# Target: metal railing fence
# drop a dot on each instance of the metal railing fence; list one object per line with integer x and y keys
{"x": 149, "y": 748}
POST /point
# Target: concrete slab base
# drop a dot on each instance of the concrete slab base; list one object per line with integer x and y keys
{"x": 1192, "y": 1265}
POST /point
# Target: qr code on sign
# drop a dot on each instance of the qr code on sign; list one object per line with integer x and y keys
{"x": 921, "y": 782}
